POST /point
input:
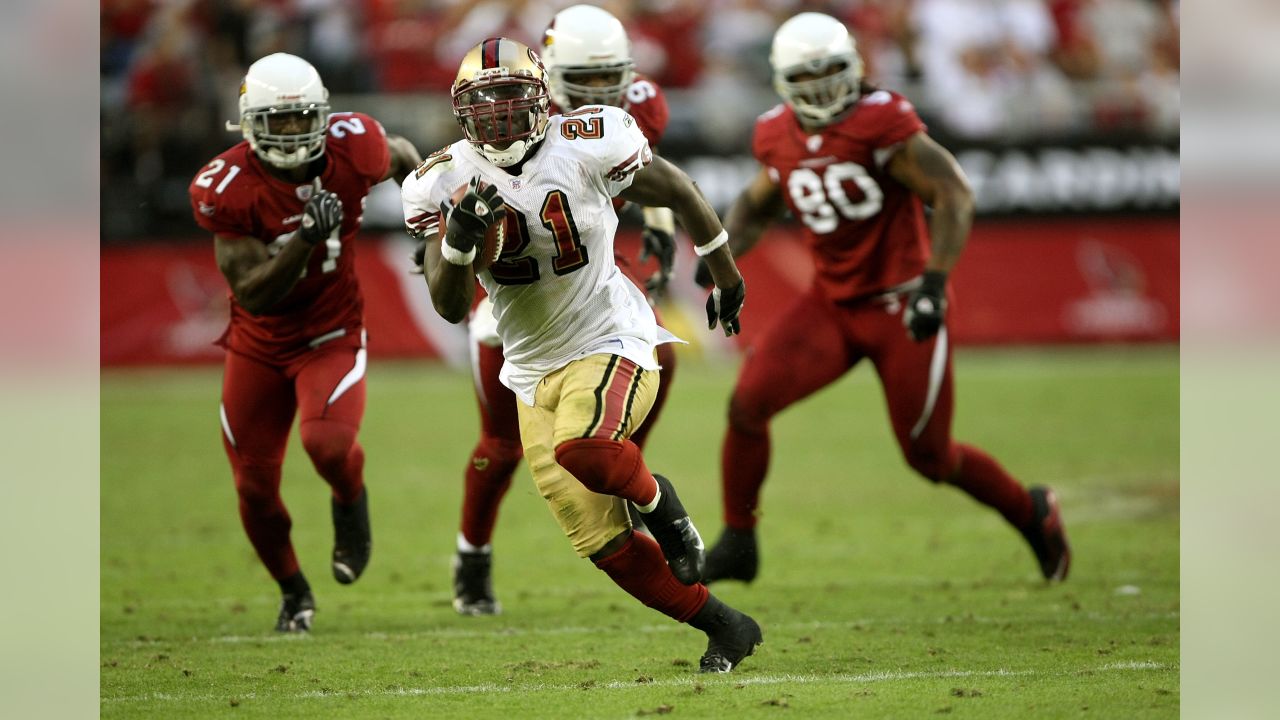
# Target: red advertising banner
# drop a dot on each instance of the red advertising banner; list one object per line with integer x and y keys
{"x": 1020, "y": 281}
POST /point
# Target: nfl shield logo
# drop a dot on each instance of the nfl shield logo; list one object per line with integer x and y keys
{"x": 515, "y": 183}
{"x": 304, "y": 192}
{"x": 813, "y": 142}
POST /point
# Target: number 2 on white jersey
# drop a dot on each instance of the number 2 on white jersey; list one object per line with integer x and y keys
{"x": 818, "y": 198}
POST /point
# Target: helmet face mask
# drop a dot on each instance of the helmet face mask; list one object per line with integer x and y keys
{"x": 588, "y": 57}
{"x": 503, "y": 109}
{"x": 816, "y": 67}
{"x": 284, "y": 111}
{"x": 591, "y": 84}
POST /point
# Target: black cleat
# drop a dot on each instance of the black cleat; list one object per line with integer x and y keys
{"x": 731, "y": 636}
{"x": 352, "y": 538}
{"x": 296, "y": 613}
{"x": 1047, "y": 536}
{"x": 681, "y": 544}
{"x": 473, "y": 584}
{"x": 733, "y": 557}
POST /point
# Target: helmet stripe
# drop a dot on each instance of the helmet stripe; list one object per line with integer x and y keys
{"x": 489, "y": 54}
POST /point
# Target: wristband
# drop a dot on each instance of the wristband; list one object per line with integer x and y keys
{"x": 454, "y": 256}
{"x": 934, "y": 281}
{"x": 705, "y": 250}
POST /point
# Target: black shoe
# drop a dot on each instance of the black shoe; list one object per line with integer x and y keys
{"x": 681, "y": 544}
{"x": 352, "y": 538}
{"x": 733, "y": 557}
{"x": 473, "y": 584}
{"x": 731, "y": 636}
{"x": 1047, "y": 536}
{"x": 296, "y": 613}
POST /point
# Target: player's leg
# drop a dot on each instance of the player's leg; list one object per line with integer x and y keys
{"x": 256, "y": 414}
{"x": 666, "y": 375}
{"x": 488, "y": 475}
{"x": 601, "y": 399}
{"x": 918, "y": 384}
{"x": 597, "y": 526}
{"x": 330, "y": 385}
{"x": 801, "y": 353}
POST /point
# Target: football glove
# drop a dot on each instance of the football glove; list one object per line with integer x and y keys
{"x": 702, "y": 274}
{"x": 926, "y": 306}
{"x": 320, "y": 216}
{"x": 660, "y": 244}
{"x": 469, "y": 219}
{"x": 724, "y": 306}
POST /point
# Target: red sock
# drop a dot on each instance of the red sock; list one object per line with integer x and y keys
{"x": 609, "y": 467}
{"x": 488, "y": 477}
{"x": 744, "y": 460}
{"x": 265, "y": 519}
{"x": 336, "y": 455}
{"x": 978, "y": 474}
{"x": 639, "y": 568}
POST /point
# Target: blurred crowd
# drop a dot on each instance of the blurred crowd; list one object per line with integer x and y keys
{"x": 978, "y": 69}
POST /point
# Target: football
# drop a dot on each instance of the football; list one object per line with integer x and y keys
{"x": 493, "y": 239}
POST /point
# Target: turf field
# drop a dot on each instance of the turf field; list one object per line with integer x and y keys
{"x": 880, "y": 596}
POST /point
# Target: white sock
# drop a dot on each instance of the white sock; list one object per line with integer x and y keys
{"x": 466, "y": 547}
{"x": 653, "y": 505}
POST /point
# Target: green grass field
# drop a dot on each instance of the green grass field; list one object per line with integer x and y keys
{"x": 881, "y": 596}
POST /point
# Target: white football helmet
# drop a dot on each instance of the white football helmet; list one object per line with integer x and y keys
{"x": 819, "y": 46}
{"x": 583, "y": 45}
{"x": 283, "y": 89}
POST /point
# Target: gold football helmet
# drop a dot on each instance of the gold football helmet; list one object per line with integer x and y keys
{"x": 500, "y": 100}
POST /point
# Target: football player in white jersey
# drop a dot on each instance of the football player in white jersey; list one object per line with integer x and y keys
{"x": 579, "y": 338}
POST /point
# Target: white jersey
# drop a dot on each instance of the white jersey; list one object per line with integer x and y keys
{"x": 557, "y": 293}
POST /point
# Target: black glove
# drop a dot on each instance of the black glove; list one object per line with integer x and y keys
{"x": 471, "y": 217}
{"x": 926, "y": 306}
{"x": 662, "y": 245}
{"x": 320, "y": 216}
{"x": 724, "y": 306}
{"x": 702, "y": 275}
{"x": 420, "y": 257}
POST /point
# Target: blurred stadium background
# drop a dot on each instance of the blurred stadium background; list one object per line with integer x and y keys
{"x": 1064, "y": 113}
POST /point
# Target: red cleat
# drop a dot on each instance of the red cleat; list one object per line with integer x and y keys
{"x": 1047, "y": 536}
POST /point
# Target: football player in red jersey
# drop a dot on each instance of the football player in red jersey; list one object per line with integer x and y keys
{"x": 284, "y": 207}
{"x": 855, "y": 166}
{"x": 588, "y": 60}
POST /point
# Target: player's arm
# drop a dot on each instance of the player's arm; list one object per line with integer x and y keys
{"x": 452, "y": 287}
{"x": 447, "y": 264}
{"x": 661, "y": 184}
{"x": 932, "y": 173}
{"x": 759, "y": 204}
{"x": 259, "y": 280}
{"x": 404, "y": 158}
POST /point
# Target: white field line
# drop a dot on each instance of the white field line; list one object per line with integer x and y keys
{"x": 706, "y": 680}
{"x": 509, "y": 632}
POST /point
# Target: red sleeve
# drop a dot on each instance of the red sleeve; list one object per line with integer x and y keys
{"x": 765, "y": 136}
{"x": 366, "y": 142}
{"x": 895, "y": 115}
{"x": 648, "y": 105}
{"x": 222, "y": 198}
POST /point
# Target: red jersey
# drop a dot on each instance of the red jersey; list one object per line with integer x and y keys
{"x": 235, "y": 195}
{"x": 867, "y": 231}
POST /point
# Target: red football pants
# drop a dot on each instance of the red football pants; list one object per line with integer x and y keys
{"x": 327, "y": 389}
{"x": 810, "y": 346}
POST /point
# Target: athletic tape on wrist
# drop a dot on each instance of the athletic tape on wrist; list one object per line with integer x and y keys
{"x": 705, "y": 250}
{"x": 455, "y": 256}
